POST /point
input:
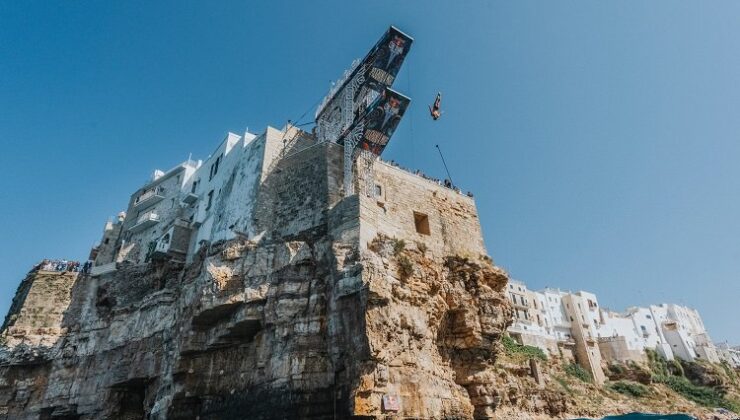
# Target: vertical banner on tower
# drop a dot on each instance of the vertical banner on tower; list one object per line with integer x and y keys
{"x": 380, "y": 120}
{"x": 384, "y": 60}
{"x": 377, "y": 71}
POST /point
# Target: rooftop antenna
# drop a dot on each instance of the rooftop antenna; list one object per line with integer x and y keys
{"x": 444, "y": 163}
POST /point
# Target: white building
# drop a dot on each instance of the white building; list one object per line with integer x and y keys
{"x": 560, "y": 323}
{"x": 563, "y": 322}
{"x": 730, "y": 355}
{"x": 195, "y": 203}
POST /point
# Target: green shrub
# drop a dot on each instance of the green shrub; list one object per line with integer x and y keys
{"x": 563, "y": 383}
{"x": 616, "y": 369}
{"x": 629, "y": 388}
{"x": 513, "y": 348}
{"x": 729, "y": 371}
{"x": 659, "y": 366}
{"x": 399, "y": 245}
{"x": 675, "y": 367}
{"x": 405, "y": 267}
{"x": 577, "y": 371}
{"x": 708, "y": 397}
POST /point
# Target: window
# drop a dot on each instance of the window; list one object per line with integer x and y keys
{"x": 194, "y": 187}
{"x": 421, "y": 221}
{"x": 214, "y": 168}
{"x": 107, "y": 240}
{"x": 210, "y": 200}
{"x": 378, "y": 191}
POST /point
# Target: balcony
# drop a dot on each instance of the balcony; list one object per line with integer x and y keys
{"x": 190, "y": 198}
{"x": 149, "y": 198}
{"x": 145, "y": 221}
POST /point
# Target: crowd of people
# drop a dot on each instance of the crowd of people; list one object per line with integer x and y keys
{"x": 62, "y": 266}
{"x": 446, "y": 183}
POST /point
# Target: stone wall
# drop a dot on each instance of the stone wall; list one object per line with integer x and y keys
{"x": 616, "y": 349}
{"x": 35, "y": 316}
{"x": 453, "y": 224}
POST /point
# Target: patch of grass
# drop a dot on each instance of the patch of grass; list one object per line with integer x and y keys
{"x": 629, "y": 388}
{"x": 729, "y": 371}
{"x": 405, "y": 267}
{"x": 376, "y": 244}
{"x": 513, "y": 348}
{"x": 659, "y": 366}
{"x": 577, "y": 371}
{"x": 399, "y": 245}
{"x": 422, "y": 247}
{"x": 563, "y": 383}
{"x": 708, "y": 397}
{"x": 616, "y": 369}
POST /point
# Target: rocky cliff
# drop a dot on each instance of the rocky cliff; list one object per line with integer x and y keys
{"x": 309, "y": 328}
{"x": 320, "y": 314}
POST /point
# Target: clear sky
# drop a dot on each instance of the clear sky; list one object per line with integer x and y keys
{"x": 601, "y": 139}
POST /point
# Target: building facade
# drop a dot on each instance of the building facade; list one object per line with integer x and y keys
{"x": 569, "y": 324}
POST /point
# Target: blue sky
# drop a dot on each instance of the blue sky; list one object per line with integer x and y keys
{"x": 600, "y": 138}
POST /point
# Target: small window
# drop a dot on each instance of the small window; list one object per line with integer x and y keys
{"x": 107, "y": 240}
{"x": 214, "y": 168}
{"x": 378, "y": 191}
{"x": 194, "y": 187}
{"x": 421, "y": 221}
{"x": 210, "y": 200}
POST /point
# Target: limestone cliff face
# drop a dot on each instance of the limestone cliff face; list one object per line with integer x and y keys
{"x": 433, "y": 330}
{"x": 308, "y": 319}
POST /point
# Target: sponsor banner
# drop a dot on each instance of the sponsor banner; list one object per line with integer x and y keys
{"x": 377, "y": 71}
{"x": 373, "y": 131}
{"x": 384, "y": 60}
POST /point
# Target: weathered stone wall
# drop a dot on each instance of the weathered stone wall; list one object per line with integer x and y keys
{"x": 106, "y": 250}
{"x": 35, "y": 316}
{"x": 297, "y": 194}
{"x": 615, "y": 349}
{"x": 454, "y": 227}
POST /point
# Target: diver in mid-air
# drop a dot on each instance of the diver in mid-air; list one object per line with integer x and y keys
{"x": 435, "y": 110}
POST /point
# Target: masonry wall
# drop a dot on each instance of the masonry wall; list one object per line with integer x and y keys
{"x": 586, "y": 347}
{"x": 454, "y": 227}
{"x": 617, "y": 349}
{"x": 299, "y": 191}
{"x": 37, "y": 311}
{"x": 106, "y": 251}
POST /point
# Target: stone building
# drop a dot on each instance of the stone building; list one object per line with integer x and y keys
{"x": 288, "y": 294}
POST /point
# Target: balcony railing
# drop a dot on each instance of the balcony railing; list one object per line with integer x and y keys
{"x": 149, "y": 198}
{"x": 145, "y": 221}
